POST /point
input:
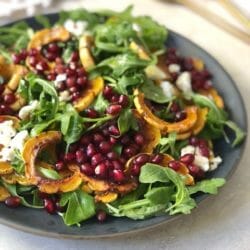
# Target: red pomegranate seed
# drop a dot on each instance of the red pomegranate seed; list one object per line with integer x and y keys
{"x": 187, "y": 159}
{"x": 73, "y": 89}
{"x": 96, "y": 159}
{"x": 49, "y": 206}
{"x": 51, "y": 77}
{"x": 42, "y": 195}
{"x": 202, "y": 143}
{"x": 5, "y": 109}
{"x": 125, "y": 140}
{"x": 59, "y": 165}
{"x": 180, "y": 115}
{"x": 142, "y": 159}
{"x": 118, "y": 175}
{"x": 105, "y": 147}
{"x": 91, "y": 113}
{"x": 16, "y": 58}
{"x": 135, "y": 170}
{"x": 175, "y": 165}
{"x": 193, "y": 141}
{"x": 129, "y": 151}
{"x": 80, "y": 72}
{"x": 188, "y": 64}
{"x": 71, "y": 82}
{"x": 117, "y": 164}
{"x": 113, "y": 140}
{"x": 113, "y": 130}
{"x": 69, "y": 72}
{"x": 42, "y": 66}
{"x": 87, "y": 169}
{"x": 107, "y": 91}
{"x": 174, "y": 108}
{"x": 50, "y": 56}
{"x": 69, "y": 157}
{"x": 114, "y": 98}
{"x": 114, "y": 109}
{"x": 139, "y": 139}
{"x": 193, "y": 169}
{"x": 105, "y": 131}
{"x": 157, "y": 159}
{"x": 75, "y": 56}
{"x": 75, "y": 95}
{"x": 13, "y": 201}
{"x": 123, "y": 100}
{"x": 1, "y": 88}
{"x": 204, "y": 151}
{"x": 98, "y": 137}
{"x": 112, "y": 155}
{"x": 9, "y": 98}
{"x": 101, "y": 170}
{"x": 33, "y": 52}
{"x": 86, "y": 139}
{"x": 91, "y": 150}
{"x": 81, "y": 81}
{"x": 200, "y": 174}
{"x": 62, "y": 86}
{"x": 80, "y": 156}
{"x": 109, "y": 164}
{"x": 122, "y": 160}
{"x": 53, "y": 47}
{"x": 101, "y": 216}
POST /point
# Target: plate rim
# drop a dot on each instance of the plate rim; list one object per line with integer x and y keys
{"x": 204, "y": 197}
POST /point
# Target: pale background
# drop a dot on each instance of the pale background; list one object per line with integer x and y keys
{"x": 221, "y": 222}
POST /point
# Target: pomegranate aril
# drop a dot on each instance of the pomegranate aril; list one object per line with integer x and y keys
{"x": 142, "y": 159}
{"x": 174, "y": 108}
{"x": 59, "y": 165}
{"x": 73, "y": 89}
{"x": 69, "y": 157}
{"x": 187, "y": 64}
{"x": 125, "y": 140}
{"x": 114, "y": 109}
{"x": 13, "y": 201}
{"x": 112, "y": 155}
{"x": 114, "y": 98}
{"x": 139, "y": 139}
{"x": 90, "y": 150}
{"x": 175, "y": 165}
{"x": 86, "y": 139}
{"x": 107, "y": 91}
{"x": 129, "y": 151}
{"x": 87, "y": 169}
{"x": 75, "y": 95}
{"x": 51, "y": 77}
{"x": 118, "y": 175}
{"x": 75, "y": 56}
{"x": 33, "y": 52}
{"x": 180, "y": 115}
{"x": 101, "y": 170}
{"x": 117, "y": 164}
{"x": 9, "y": 98}
{"x": 53, "y": 47}
{"x": 123, "y": 100}
{"x": 193, "y": 169}
{"x": 16, "y": 58}
{"x": 98, "y": 137}
{"x": 157, "y": 159}
{"x": 71, "y": 82}
{"x": 113, "y": 130}
{"x": 204, "y": 151}
{"x": 91, "y": 113}
{"x": 5, "y": 109}
{"x": 135, "y": 170}
{"x": 193, "y": 141}
{"x": 101, "y": 216}
{"x": 80, "y": 72}
{"x": 96, "y": 159}
{"x": 33, "y": 61}
{"x": 42, "y": 195}
{"x": 80, "y": 156}
{"x": 42, "y": 66}
{"x": 113, "y": 140}
{"x": 187, "y": 159}
{"x": 81, "y": 81}
{"x": 105, "y": 147}
{"x": 49, "y": 206}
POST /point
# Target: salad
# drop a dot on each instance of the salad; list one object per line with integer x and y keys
{"x": 99, "y": 118}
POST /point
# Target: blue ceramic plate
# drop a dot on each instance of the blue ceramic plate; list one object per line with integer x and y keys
{"x": 39, "y": 222}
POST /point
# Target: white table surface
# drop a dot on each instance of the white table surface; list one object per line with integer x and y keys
{"x": 222, "y": 221}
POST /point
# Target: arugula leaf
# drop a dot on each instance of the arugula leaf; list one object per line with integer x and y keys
{"x": 49, "y": 173}
{"x": 80, "y": 207}
{"x": 43, "y": 20}
{"x": 160, "y": 195}
{"x": 168, "y": 143}
{"x": 126, "y": 121}
{"x": 154, "y": 92}
{"x": 100, "y": 103}
{"x": 207, "y": 186}
{"x": 17, "y": 163}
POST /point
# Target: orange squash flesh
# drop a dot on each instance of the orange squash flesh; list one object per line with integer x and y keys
{"x": 4, "y": 193}
{"x": 214, "y": 95}
{"x": 88, "y": 95}
{"x": 165, "y": 127}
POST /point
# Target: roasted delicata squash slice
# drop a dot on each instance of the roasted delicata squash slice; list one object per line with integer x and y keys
{"x": 12, "y": 75}
{"x": 15, "y": 178}
{"x": 183, "y": 170}
{"x": 213, "y": 94}
{"x": 45, "y": 36}
{"x": 89, "y": 94}
{"x": 30, "y": 152}
{"x": 85, "y": 44}
{"x": 4, "y": 193}
{"x": 165, "y": 127}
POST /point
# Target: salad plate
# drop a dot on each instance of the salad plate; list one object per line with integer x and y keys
{"x": 39, "y": 222}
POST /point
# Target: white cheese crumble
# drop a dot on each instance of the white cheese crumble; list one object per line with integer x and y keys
{"x": 11, "y": 140}
{"x": 183, "y": 82}
{"x": 168, "y": 88}
{"x": 174, "y": 68}
{"x": 64, "y": 96}
{"x": 155, "y": 73}
{"x": 77, "y": 28}
{"x": 204, "y": 163}
{"x": 59, "y": 79}
{"x": 25, "y": 111}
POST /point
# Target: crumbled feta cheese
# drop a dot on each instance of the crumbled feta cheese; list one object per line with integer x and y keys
{"x": 214, "y": 162}
{"x": 7, "y": 132}
{"x": 59, "y": 79}
{"x": 155, "y": 73}
{"x": 188, "y": 150}
{"x": 136, "y": 27}
{"x": 64, "y": 96}
{"x": 201, "y": 162}
{"x": 183, "y": 82}
{"x": 77, "y": 28}
{"x": 25, "y": 111}
{"x": 167, "y": 88}
{"x": 174, "y": 68}
{"x": 10, "y": 140}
